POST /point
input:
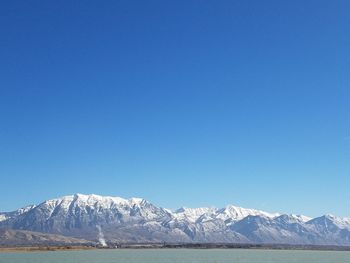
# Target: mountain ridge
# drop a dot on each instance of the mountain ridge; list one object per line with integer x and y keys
{"x": 117, "y": 219}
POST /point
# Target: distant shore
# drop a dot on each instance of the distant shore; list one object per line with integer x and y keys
{"x": 43, "y": 248}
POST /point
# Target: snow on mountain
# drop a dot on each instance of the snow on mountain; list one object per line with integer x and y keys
{"x": 79, "y": 215}
{"x": 6, "y": 216}
{"x": 137, "y": 220}
{"x": 192, "y": 214}
{"x": 284, "y": 229}
{"x": 343, "y": 223}
{"x": 291, "y": 219}
{"x": 233, "y": 214}
{"x": 301, "y": 218}
{"x": 330, "y": 223}
{"x": 3, "y": 216}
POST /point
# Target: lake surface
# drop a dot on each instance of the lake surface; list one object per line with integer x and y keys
{"x": 177, "y": 255}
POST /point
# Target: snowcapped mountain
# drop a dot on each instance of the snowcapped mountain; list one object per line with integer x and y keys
{"x": 192, "y": 214}
{"x": 232, "y": 214}
{"x": 137, "y": 220}
{"x": 79, "y": 215}
{"x": 5, "y": 216}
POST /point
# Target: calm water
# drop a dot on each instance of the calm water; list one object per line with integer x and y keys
{"x": 177, "y": 255}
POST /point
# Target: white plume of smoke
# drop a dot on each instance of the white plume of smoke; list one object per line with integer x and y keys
{"x": 101, "y": 237}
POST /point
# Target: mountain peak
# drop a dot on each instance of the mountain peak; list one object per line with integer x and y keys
{"x": 238, "y": 213}
{"x": 135, "y": 219}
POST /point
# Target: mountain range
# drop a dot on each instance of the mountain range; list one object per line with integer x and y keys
{"x": 105, "y": 219}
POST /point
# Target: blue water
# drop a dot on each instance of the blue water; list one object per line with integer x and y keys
{"x": 177, "y": 255}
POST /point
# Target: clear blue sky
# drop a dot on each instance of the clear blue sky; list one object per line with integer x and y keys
{"x": 180, "y": 102}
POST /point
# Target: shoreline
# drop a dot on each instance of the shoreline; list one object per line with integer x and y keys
{"x": 43, "y": 248}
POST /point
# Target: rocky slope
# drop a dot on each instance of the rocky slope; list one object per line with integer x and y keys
{"x": 9, "y": 237}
